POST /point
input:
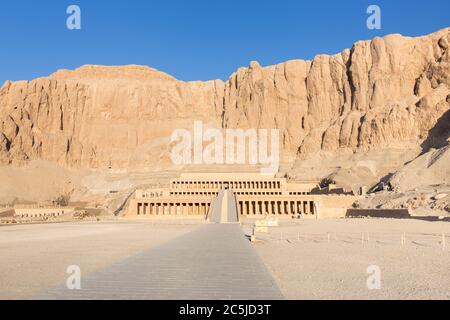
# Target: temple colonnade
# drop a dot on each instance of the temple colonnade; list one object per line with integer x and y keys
{"x": 223, "y": 184}
{"x": 276, "y": 207}
{"x": 172, "y": 208}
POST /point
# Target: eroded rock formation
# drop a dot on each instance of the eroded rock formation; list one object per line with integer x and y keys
{"x": 390, "y": 91}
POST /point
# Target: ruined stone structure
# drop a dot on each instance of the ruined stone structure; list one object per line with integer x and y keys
{"x": 41, "y": 212}
{"x": 256, "y": 195}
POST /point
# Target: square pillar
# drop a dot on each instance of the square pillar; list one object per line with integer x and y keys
{"x": 158, "y": 208}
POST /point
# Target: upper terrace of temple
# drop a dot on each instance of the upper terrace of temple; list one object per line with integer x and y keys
{"x": 237, "y": 182}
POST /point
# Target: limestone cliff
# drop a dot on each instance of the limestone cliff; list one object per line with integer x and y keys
{"x": 386, "y": 92}
{"x": 101, "y": 116}
{"x": 390, "y": 91}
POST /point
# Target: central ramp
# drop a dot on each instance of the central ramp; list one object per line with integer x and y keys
{"x": 224, "y": 208}
{"x": 213, "y": 262}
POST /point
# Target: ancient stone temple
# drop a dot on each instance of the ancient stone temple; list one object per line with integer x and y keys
{"x": 255, "y": 195}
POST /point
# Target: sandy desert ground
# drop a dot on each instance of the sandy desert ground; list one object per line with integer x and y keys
{"x": 313, "y": 268}
{"x": 309, "y": 259}
{"x": 34, "y": 258}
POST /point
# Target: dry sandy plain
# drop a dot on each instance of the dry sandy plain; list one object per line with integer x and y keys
{"x": 317, "y": 268}
{"x": 303, "y": 262}
{"x": 35, "y": 257}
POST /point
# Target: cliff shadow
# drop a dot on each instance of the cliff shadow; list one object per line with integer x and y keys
{"x": 438, "y": 135}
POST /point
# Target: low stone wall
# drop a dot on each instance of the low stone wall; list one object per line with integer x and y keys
{"x": 378, "y": 213}
{"x": 334, "y": 206}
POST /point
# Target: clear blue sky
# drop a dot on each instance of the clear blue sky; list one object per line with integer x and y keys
{"x": 195, "y": 39}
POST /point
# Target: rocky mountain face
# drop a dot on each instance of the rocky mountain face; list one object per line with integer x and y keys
{"x": 98, "y": 117}
{"x": 388, "y": 92}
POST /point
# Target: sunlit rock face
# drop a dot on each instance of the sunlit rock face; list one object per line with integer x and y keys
{"x": 387, "y": 92}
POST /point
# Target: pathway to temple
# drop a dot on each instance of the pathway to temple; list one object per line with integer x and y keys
{"x": 215, "y": 261}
